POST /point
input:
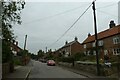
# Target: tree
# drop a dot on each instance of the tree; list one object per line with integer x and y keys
{"x": 10, "y": 14}
{"x": 40, "y": 54}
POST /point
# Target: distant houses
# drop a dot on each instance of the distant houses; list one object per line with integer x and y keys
{"x": 70, "y": 48}
{"x": 108, "y": 44}
{"x": 15, "y": 48}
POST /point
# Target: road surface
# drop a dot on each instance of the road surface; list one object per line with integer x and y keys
{"x": 41, "y": 70}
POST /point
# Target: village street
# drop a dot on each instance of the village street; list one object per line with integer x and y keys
{"x": 41, "y": 70}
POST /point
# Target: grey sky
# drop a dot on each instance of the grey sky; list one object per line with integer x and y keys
{"x": 43, "y": 28}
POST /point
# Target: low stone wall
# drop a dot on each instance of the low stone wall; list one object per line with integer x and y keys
{"x": 91, "y": 68}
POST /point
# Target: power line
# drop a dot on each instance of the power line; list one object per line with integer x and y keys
{"x": 106, "y": 6}
{"x": 72, "y": 25}
{"x": 51, "y": 16}
{"x": 107, "y": 13}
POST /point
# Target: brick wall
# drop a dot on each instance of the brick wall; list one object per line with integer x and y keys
{"x": 107, "y": 45}
{"x": 76, "y": 47}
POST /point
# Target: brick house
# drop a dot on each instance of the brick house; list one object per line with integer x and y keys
{"x": 15, "y": 48}
{"x": 70, "y": 48}
{"x": 108, "y": 42}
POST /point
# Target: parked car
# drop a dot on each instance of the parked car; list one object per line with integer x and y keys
{"x": 51, "y": 63}
{"x": 43, "y": 60}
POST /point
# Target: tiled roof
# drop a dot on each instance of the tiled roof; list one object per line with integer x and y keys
{"x": 70, "y": 43}
{"x": 107, "y": 33}
{"x": 15, "y": 46}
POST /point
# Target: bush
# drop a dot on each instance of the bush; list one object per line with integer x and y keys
{"x": 78, "y": 56}
{"x": 86, "y": 58}
{"x": 17, "y": 61}
{"x": 7, "y": 55}
{"x": 113, "y": 58}
{"x": 66, "y": 59}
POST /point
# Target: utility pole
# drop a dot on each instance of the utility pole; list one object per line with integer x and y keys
{"x": 96, "y": 39}
{"x": 25, "y": 49}
{"x": 25, "y": 42}
{"x": 46, "y": 49}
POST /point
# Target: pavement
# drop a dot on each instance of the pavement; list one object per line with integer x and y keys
{"x": 21, "y": 72}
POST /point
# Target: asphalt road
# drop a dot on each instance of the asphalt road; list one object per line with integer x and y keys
{"x": 41, "y": 70}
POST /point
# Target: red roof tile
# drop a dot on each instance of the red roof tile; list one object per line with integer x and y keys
{"x": 109, "y": 32}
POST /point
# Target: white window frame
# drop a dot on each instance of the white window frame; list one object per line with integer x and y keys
{"x": 94, "y": 52}
{"x": 105, "y": 52}
{"x": 85, "y": 52}
{"x": 116, "y": 40}
{"x": 93, "y": 44}
{"x": 85, "y": 46}
{"x": 116, "y": 51}
{"x": 100, "y": 43}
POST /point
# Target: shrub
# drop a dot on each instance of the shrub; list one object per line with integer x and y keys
{"x": 17, "y": 61}
{"x": 66, "y": 59}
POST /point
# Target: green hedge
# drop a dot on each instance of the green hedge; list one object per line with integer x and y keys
{"x": 66, "y": 59}
{"x": 17, "y": 61}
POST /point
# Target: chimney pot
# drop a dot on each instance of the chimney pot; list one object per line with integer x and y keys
{"x": 66, "y": 42}
{"x": 76, "y": 39}
{"x": 16, "y": 43}
{"x": 112, "y": 24}
{"x": 89, "y": 34}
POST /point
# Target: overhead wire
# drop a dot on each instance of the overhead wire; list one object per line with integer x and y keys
{"x": 108, "y": 13}
{"x": 106, "y": 6}
{"x": 54, "y": 15}
{"x": 71, "y": 25}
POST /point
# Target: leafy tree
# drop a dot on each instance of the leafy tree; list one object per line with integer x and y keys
{"x": 34, "y": 56}
{"x": 10, "y": 14}
{"x": 40, "y": 54}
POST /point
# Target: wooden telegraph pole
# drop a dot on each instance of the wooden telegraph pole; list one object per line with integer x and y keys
{"x": 96, "y": 39}
{"x": 25, "y": 49}
{"x": 25, "y": 42}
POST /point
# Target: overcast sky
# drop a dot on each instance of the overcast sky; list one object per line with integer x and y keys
{"x": 44, "y": 22}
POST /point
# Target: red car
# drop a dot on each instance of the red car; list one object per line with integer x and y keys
{"x": 51, "y": 63}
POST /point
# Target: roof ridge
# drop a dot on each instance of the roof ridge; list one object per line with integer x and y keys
{"x": 103, "y": 34}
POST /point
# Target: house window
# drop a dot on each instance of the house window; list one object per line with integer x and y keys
{"x": 93, "y": 44}
{"x": 116, "y": 51}
{"x": 94, "y": 52}
{"x": 100, "y": 43}
{"x": 84, "y": 52}
{"x": 105, "y": 52}
{"x": 88, "y": 52}
{"x": 116, "y": 40}
{"x": 85, "y": 46}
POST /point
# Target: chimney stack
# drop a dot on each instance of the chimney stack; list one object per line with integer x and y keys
{"x": 13, "y": 41}
{"x": 66, "y": 42}
{"x": 89, "y": 34}
{"x": 16, "y": 43}
{"x": 112, "y": 24}
{"x": 76, "y": 39}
